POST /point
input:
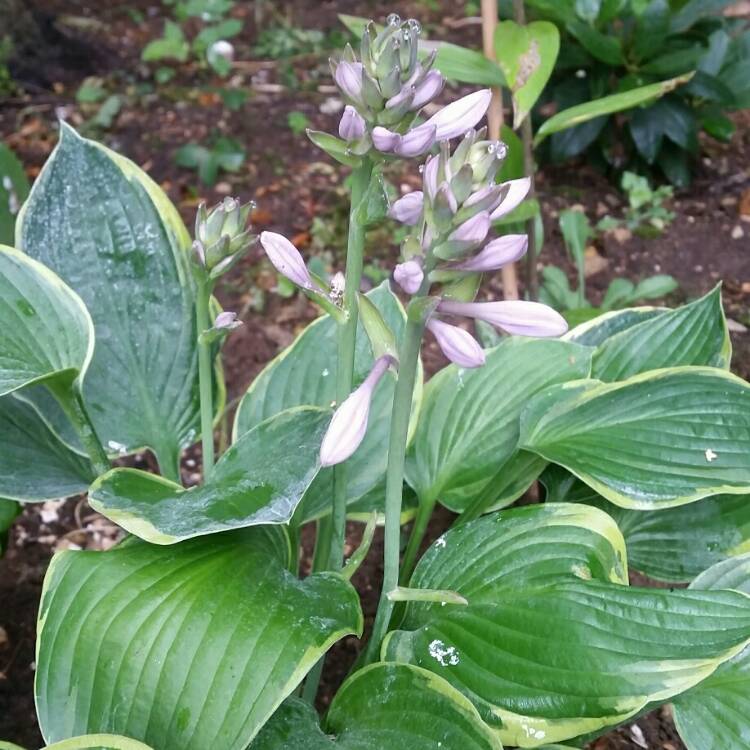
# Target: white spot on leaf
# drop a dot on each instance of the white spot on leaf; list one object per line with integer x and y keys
{"x": 446, "y": 656}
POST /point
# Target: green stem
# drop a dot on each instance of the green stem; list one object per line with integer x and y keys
{"x": 424, "y": 513}
{"x": 347, "y": 334}
{"x": 69, "y": 398}
{"x": 394, "y": 482}
{"x": 202, "y": 323}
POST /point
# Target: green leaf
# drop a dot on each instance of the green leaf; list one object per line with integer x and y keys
{"x": 99, "y": 222}
{"x": 171, "y": 46}
{"x": 597, "y": 331}
{"x": 526, "y": 55}
{"x": 529, "y": 547}
{"x": 695, "y": 334}
{"x": 673, "y": 544}
{"x": 9, "y": 509}
{"x": 305, "y": 373}
{"x": 693, "y": 11}
{"x": 383, "y": 705}
{"x": 651, "y": 28}
{"x": 576, "y": 231}
{"x": 95, "y": 742}
{"x": 513, "y": 167}
{"x": 14, "y": 189}
{"x": 606, "y": 106}
{"x": 713, "y": 715}
{"x": 191, "y": 646}
{"x": 659, "y": 439}
{"x": 35, "y": 465}
{"x": 336, "y": 148}
{"x": 260, "y": 480}
{"x": 468, "y": 429}
{"x": 549, "y": 664}
{"x": 46, "y": 333}
{"x": 465, "y": 65}
{"x": 606, "y": 48}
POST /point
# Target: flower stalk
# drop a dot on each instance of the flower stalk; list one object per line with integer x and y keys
{"x": 205, "y": 380}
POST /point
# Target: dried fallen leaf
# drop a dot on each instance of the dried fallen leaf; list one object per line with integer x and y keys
{"x": 593, "y": 263}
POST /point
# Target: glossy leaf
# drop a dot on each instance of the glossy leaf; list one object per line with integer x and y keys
{"x": 521, "y": 548}
{"x": 305, "y": 373}
{"x": 260, "y": 480}
{"x": 45, "y": 330}
{"x": 548, "y": 664}
{"x": 383, "y": 705}
{"x": 713, "y": 715}
{"x": 98, "y": 221}
{"x": 14, "y": 188}
{"x": 695, "y": 334}
{"x": 468, "y": 428}
{"x": 465, "y": 65}
{"x": 526, "y": 55}
{"x": 191, "y": 646}
{"x": 597, "y": 331}
{"x": 35, "y": 465}
{"x": 606, "y": 106}
{"x": 659, "y": 439}
{"x": 673, "y": 544}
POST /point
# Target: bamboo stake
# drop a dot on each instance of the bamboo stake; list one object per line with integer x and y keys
{"x": 495, "y": 121}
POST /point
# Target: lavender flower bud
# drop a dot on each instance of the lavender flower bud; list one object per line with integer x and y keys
{"x": 348, "y": 77}
{"x": 352, "y": 125}
{"x": 473, "y": 231}
{"x": 408, "y": 209}
{"x": 286, "y": 259}
{"x": 416, "y": 141}
{"x": 459, "y": 116}
{"x": 429, "y": 88}
{"x": 496, "y": 254}
{"x": 457, "y": 344}
{"x": 385, "y": 140}
{"x": 517, "y": 317}
{"x": 517, "y": 191}
{"x": 409, "y": 276}
{"x": 227, "y": 321}
{"x": 349, "y": 423}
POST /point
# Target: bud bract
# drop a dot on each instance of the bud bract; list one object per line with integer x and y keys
{"x": 221, "y": 234}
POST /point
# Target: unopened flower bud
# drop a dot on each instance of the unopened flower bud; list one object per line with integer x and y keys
{"x": 408, "y": 209}
{"x": 517, "y": 317}
{"x": 227, "y": 321}
{"x": 516, "y": 192}
{"x": 287, "y": 260}
{"x": 486, "y": 158}
{"x": 348, "y": 77}
{"x": 473, "y": 231}
{"x": 221, "y": 234}
{"x": 457, "y": 344}
{"x": 409, "y": 275}
{"x": 496, "y": 254}
{"x": 459, "y": 116}
{"x": 349, "y": 423}
{"x": 428, "y": 89}
{"x": 352, "y": 125}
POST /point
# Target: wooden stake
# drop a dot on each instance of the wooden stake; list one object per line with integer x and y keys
{"x": 495, "y": 121}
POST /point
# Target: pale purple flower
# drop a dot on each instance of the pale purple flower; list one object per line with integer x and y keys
{"x": 459, "y": 116}
{"x": 429, "y": 176}
{"x": 287, "y": 260}
{"x": 385, "y": 140}
{"x": 352, "y": 125}
{"x": 496, "y": 254}
{"x": 413, "y": 143}
{"x": 517, "y": 190}
{"x": 227, "y": 320}
{"x": 405, "y": 93}
{"x": 348, "y": 77}
{"x": 473, "y": 230}
{"x": 457, "y": 344}
{"x": 517, "y": 317}
{"x": 430, "y": 87}
{"x": 349, "y": 423}
{"x": 408, "y": 209}
{"x": 409, "y": 275}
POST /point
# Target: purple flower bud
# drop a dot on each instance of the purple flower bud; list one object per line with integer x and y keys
{"x": 349, "y": 423}
{"x": 352, "y": 125}
{"x": 473, "y": 230}
{"x": 517, "y": 317}
{"x": 496, "y": 254}
{"x": 384, "y": 140}
{"x": 348, "y": 77}
{"x": 227, "y": 320}
{"x": 416, "y": 141}
{"x": 517, "y": 190}
{"x": 286, "y": 259}
{"x": 458, "y": 345}
{"x": 409, "y": 276}
{"x": 430, "y": 87}
{"x": 408, "y": 209}
{"x": 456, "y": 118}
{"x": 429, "y": 176}
{"x": 406, "y": 93}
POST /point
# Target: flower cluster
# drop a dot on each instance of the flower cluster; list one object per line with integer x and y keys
{"x": 386, "y": 90}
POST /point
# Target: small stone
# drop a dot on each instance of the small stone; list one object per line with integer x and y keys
{"x": 735, "y": 326}
{"x": 223, "y": 188}
{"x": 738, "y": 233}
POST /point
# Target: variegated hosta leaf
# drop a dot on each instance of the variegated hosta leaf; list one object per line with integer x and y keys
{"x": 383, "y": 706}
{"x": 305, "y": 373}
{"x": 714, "y": 714}
{"x": 35, "y": 465}
{"x": 695, "y": 334}
{"x": 259, "y": 480}
{"x": 468, "y": 429}
{"x": 547, "y": 664}
{"x": 595, "y": 332}
{"x": 527, "y": 547}
{"x": 99, "y": 222}
{"x": 46, "y": 332}
{"x": 672, "y": 544}
{"x": 659, "y": 439}
{"x": 191, "y": 646}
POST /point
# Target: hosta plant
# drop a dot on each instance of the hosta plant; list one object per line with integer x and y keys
{"x": 516, "y": 627}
